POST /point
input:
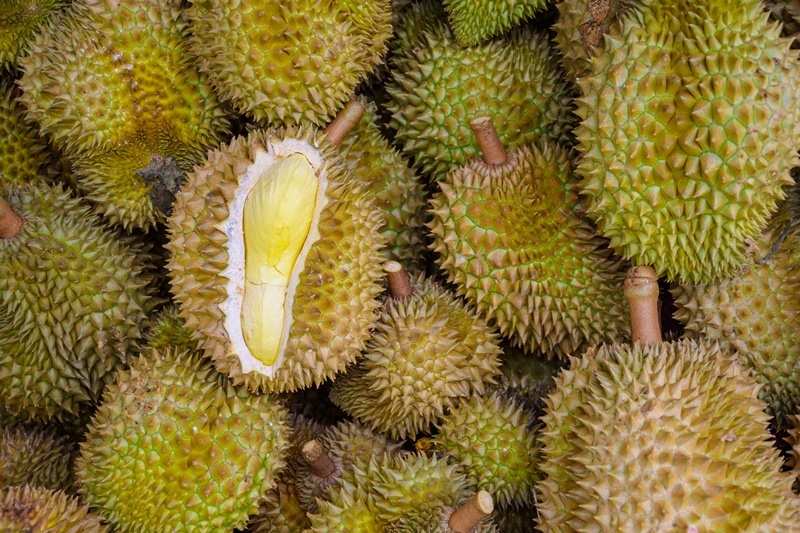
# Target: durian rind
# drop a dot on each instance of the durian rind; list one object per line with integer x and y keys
{"x": 22, "y": 152}
{"x": 36, "y": 510}
{"x": 19, "y": 22}
{"x": 35, "y": 456}
{"x": 167, "y": 328}
{"x": 474, "y": 21}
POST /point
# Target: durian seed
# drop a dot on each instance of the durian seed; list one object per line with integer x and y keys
{"x": 488, "y": 141}
{"x": 10, "y": 222}
{"x": 317, "y": 459}
{"x": 399, "y": 286}
{"x": 476, "y": 509}
{"x": 641, "y": 291}
{"x": 276, "y": 219}
{"x": 344, "y": 122}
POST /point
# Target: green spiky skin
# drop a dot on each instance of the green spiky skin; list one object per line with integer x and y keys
{"x": 73, "y": 301}
{"x": 438, "y": 87}
{"x": 527, "y": 380}
{"x": 168, "y": 329}
{"x": 133, "y": 93}
{"x": 419, "y": 18}
{"x": 19, "y": 21}
{"x": 35, "y": 456}
{"x": 665, "y": 436}
{"x": 281, "y": 512}
{"x": 428, "y": 351}
{"x": 332, "y": 320}
{"x": 580, "y": 29}
{"x": 514, "y": 240}
{"x": 492, "y": 438}
{"x": 22, "y": 153}
{"x": 436, "y": 521}
{"x": 38, "y": 510}
{"x": 684, "y": 159}
{"x": 474, "y": 21}
{"x": 174, "y": 445}
{"x": 397, "y": 189}
{"x": 289, "y": 63}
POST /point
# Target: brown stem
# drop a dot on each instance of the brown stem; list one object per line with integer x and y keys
{"x": 345, "y": 121}
{"x": 10, "y": 222}
{"x": 399, "y": 286}
{"x": 318, "y": 460}
{"x": 641, "y": 290}
{"x": 488, "y": 141}
{"x": 478, "y": 507}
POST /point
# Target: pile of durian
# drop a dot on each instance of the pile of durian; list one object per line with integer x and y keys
{"x": 403, "y": 266}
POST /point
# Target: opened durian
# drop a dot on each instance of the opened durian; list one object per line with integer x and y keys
{"x": 37, "y": 510}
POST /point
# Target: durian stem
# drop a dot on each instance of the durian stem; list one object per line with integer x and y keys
{"x": 488, "y": 141}
{"x": 317, "y": 459}
{"x": 641, "y": 291}
{"x": 399, "y": 286}
{"x": 345, "y": 121}
{"x": 478, "y": 507}
{"x": 10, "y": 222}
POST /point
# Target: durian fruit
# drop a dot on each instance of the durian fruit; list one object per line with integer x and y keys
{"x": 73, "y": 303}
{"x": 428, "y": 351}
{"x": 469, "y": 518}
{"x": 786, "y": 12}
{"x": 527, "y": 379}
{"x": 438, "y": 87}
{"x": 19, "y": 21}
{"x": 37, "y": 510}
{"x": 175, "y": 446}
{"x": 22, "y": 152}
{"x": 794, "y": 455}
{"x": 688, "y": 134}
{"x": 511, "y": 234}
{"x": 35, "y": 456}
{"x": 474, "y": 21}
{"x": 114, "y": 86}
{"x": 289, "y": 62}
{"x": 276, "y": 261}
{"x": 167, "y": 328}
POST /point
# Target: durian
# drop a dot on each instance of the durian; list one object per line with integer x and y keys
{"x": 22, "y": 152}
{"x": 168, "y": 329}
{"x": 474, "y": 21}
{"x": 35, "y": 456}
{"x": 37, "y": 510}
{"x": 19, "y": 22}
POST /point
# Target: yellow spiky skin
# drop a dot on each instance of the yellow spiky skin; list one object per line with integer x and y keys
{"x": 19, "y": 21}
{"x": 35, "y": 456}
{"x": 22, "y": 153}
{"x": 38, "y": 510}
{"x": 175, "y": 445}
{"x": 133, "y": 93}
{"x": 689, "y": 131}
{"x": 289, "y": 63}
{"x": 786, "y": 12}
{"x": 665, "y": 436}
{"x": 428, "y": 351}
{"x": 335, "y": 301}
{"x": 514, "y": 240}
{"x": 474, "y": 21}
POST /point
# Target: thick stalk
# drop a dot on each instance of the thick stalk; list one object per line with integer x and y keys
{"x": 399, "y": 285}
{"x": 10, "y": 222}
{"x": 344, "y": 122}
{"x": 488, "y": 141}
{"x": 317, "y": 459}
{"x": 475, "y": 510}
{"x": 641, "y": 291}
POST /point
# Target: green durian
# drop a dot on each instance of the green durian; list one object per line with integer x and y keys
{"x": 174, "y": 445}
{"x": 37, "y": 510}
{"x": 474, "y": 21}
{"x": 527, "y": 379}
{"x": 35, "y": 456}
{"x": 19, "y": 22}
{"x": 167, "y": 328}
{"x": 688, "y": 134}
{"x": 22, "y": 153}
{"x": 134, "y": 114}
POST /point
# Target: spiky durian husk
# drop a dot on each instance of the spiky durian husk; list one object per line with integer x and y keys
{"x": 22, "y": 153}
{"x": 527, "y": 379}
{"x": 438, "y": 87}
{"x": 19, "y": 21}
{"x": 332, "y": 319}
{"x": 688, "y": 134}
{"x": 786, "y": 12}
{"x": 73, "y": 301}
{"x": 38, "y": 510}
{"x": 515, "y": 520}
{"x": 35, "y": 456}
{"x": 133, "y": 92}
{"x": 428, "y": 351}
{"x": 174, "y": 444}
{"x": 280, "y": 512}
{"x": 396, "y": 187}
{"x": 514, "y": 240}
{"x": 167, "y": 328}
{"x": 300, "y": 67}
{"x": 665, "y": 436}
{"x": 421, "y": 17}
{"x": 435, "y": 520}
{"x": 493, "y": 439}
{"x": 474, "y": 21}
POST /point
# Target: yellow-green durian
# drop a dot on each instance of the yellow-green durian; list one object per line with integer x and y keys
{"x": 276, "y": 260}
{"x": 36, "y": 456}
{"x": 22, "y": 153}
{"x": 474, "y": 21}
{"x": 114, "y": 86}
{"x": 19, "y": 22}
{"x": 167, "y": 328}
{"x": 175, "y": 445}
{"x": 289, "y": 62}
{"x": 36, "y": 510}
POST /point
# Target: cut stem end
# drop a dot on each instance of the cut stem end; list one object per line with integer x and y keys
{"x": 475, "y": 510}
{"x": 641, "y": 291}
{"x": 317, "y": 459}
{"x": 399, "y": 285}
{"x": 344, "y": 122}
{"x": 488, "y": 141}
{"x": 10, "y": 222}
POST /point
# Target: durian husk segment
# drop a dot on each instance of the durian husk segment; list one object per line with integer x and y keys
{"x": 74, "y": 300}
{"x": 133, "y": 92}
{"x": 167, "y": 328}
{"x": 437, "y": 88}
{"x": 786, "y": 12}
{"x": 289, "y": 63}
{"x": 37, "y": 510}
{"x": 429, "y": 350}
{"x": 514, "y": 240}
{"x": 22, "y": 152}
{"x": 35, "y": 456}
{"x": 474, "y": 21}
{"x": 688, "y": 135}
{"x": 656, "y": 437}
{"x": 175, "y": 445}
{"x": 19, "y": 21}
{"x": 335, "y": 295}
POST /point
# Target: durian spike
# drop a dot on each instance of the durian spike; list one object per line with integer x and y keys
{"x": 399, "y": 286}
{"x": 478, "y": 507}
{"x": 10, "y": 222}
{"x": 488, "y": 141}
{"x": 641, "y": 291}
{"x": 317, "y": 459}
{"x": 345, "y": 121}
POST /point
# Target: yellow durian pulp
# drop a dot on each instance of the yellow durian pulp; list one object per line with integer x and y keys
{"x": 277, "y": 219}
